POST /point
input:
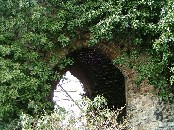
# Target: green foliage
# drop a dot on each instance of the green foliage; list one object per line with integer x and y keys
{"x": 28, "y": 33}
{"x": 155, "y": 38}
{"x": 32, "y": 32}
{"x": 172, "y": 77}
{"x": 93, "y": 116}
{"x": 164, "y": 45}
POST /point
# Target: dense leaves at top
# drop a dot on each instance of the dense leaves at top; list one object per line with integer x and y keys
{"x": 31, "y": 31}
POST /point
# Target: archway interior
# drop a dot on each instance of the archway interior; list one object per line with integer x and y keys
{"x": 98, "y": 75}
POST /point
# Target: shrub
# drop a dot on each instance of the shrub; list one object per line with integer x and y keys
{"x": 94, "y": 116}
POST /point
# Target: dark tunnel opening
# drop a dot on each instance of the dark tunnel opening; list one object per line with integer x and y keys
{"x": 99, "y": 76}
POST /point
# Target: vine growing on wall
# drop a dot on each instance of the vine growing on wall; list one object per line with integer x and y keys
{"x": 32, "y": 31}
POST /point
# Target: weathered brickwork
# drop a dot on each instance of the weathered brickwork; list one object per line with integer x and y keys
{"x": 144, "y": 108}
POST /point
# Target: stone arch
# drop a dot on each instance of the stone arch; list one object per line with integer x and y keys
{"x": 138, "y": 100}
{"x": 110, "y": 50}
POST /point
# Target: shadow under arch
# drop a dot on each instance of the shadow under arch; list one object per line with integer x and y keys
{"x": 98, "y": 75}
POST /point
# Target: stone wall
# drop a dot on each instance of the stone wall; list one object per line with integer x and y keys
{"x": 144, "y": 108}
{"x": 147, "y": 112}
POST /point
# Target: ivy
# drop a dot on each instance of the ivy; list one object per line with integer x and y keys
{"x": 33, "y": 32}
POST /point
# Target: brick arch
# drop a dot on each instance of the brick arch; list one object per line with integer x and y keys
{"x": 112, "y": 51}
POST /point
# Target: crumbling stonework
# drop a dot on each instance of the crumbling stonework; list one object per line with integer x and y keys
{"x": 147, "y": 112}
{"x": 144, "y": 108}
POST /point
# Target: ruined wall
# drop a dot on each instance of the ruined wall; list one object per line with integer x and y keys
{"x": 145, "y": 109}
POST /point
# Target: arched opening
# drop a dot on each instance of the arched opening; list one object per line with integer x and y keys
{"x": 99, "y": 76}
